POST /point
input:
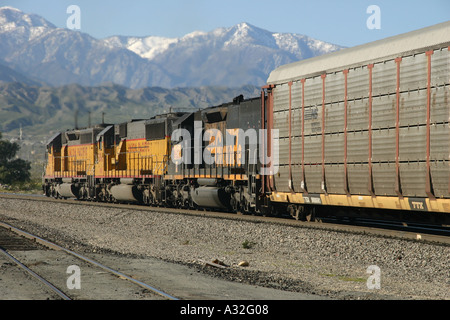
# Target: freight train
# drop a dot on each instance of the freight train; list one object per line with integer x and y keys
{"x": 363, "y": 128}
{"x": 168, "y": 160}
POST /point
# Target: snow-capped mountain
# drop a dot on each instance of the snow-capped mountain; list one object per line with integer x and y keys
{"x": 243, "y": 34}
{"x": 235, "y": 56}
{"x": 147, "y": 47}
{"x": 225, "y": 56}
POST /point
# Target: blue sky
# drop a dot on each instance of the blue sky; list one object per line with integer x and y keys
{"x": 341, "y": 22}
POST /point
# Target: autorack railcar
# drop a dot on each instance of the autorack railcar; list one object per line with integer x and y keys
{"x": 368, "y": 126}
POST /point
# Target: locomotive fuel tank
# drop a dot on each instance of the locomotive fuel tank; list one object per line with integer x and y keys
{"x": 126, "y": 192}
{"x": 211, "y": 197}
{"x": 67, "y": 190}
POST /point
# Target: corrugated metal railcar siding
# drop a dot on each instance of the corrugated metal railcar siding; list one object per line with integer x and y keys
{"x": 296, "y": 120}
{"x": 413, "y": 144}
{"x": 313, "y": 120}
{"x": 412, "y": 179}
{"x": 358, "y": 146}
{"x": 334, "y": 148}
{"x": 297, "y": 178}
{"x": 283, "y": 151}
{"x": 413, "y": 72}
{"x": 413, "y": 109}
{"x": 384, "y": 179}
{"x": 335, "y": 178}
{"x": 296, "y": 96}
{"x": 439, "y": 155}
{"x": 313, "y": 92}
{"x": 440, "y": 67}
{"x": 281, "y": 123}
{"x": 313, "y": 178}
{"x": 281, "y": 97}
{"x": 358, "y": 179}
{"x": 280, "y": 104}
{"x": 440, "y": 176}
{"x": 358, "y": 115}
{"x": 335, "y": 87}
{"x": 440, "y": 141}
{"x": 296, "y": 163}
{"x": 313, "y": 149}
{"x": 440, "y": 104}
{"x": 383, "y": 145}
{"x": 282, "y": 179}
{"x": 334, "y": 117}
{"x": 383, "y": 112}
{"x": 358, "y": 83}
{"x": 384, "y": 78}
{"x": 296, "y": 150}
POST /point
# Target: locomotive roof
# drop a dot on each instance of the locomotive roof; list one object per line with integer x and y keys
{"x": 385, "y": 49}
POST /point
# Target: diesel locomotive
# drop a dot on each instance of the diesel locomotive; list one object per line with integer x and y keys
{"x": 365, "y": 127}
{"x": 183, "y": 160}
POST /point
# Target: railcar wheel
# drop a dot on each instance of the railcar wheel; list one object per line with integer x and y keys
{"x": 299, "y": 213}
{"x": 310, "y": 215}
{"x": 296, "y": 211}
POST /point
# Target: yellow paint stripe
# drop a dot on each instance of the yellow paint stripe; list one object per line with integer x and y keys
{"x": 361, "y": 201}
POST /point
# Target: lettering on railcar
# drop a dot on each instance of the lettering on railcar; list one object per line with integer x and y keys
{"x": 313, "y": 199}
{"x": 418, "y": 204}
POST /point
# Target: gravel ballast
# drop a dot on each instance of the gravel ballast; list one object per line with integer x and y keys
{"x": 327, "y": 263}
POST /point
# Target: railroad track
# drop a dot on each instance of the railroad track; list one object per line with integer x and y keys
{"x": 418, "y": 228}
{"x": 14, "y": 242}
{"x": 395, "y": 229}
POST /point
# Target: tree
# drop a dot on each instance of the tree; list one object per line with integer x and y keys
{"x": 12, "y": 170}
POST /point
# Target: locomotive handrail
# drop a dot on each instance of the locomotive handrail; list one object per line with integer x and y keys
{"x": 142, "y": 165}
{"x": 68, "y": 170}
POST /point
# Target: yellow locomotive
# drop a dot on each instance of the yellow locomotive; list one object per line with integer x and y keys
{"x": 106, "y": 162}
{"x": 136, "y": 161}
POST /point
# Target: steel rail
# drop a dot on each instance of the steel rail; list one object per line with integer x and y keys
{"x": 327, "y": 223}
{"x": 86, "y": 259}
{"x": 35, "y": 275}
{"x": 413, "y": 227}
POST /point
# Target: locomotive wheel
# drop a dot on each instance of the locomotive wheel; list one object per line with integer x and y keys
{"x": 146, "y": 197}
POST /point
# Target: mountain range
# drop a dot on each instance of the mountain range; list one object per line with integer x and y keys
{"x": 41, "y": 110}
{"x": 30, "y": 114}
{"x": 49, "y": 74}
{"x": 235, "y": 56}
